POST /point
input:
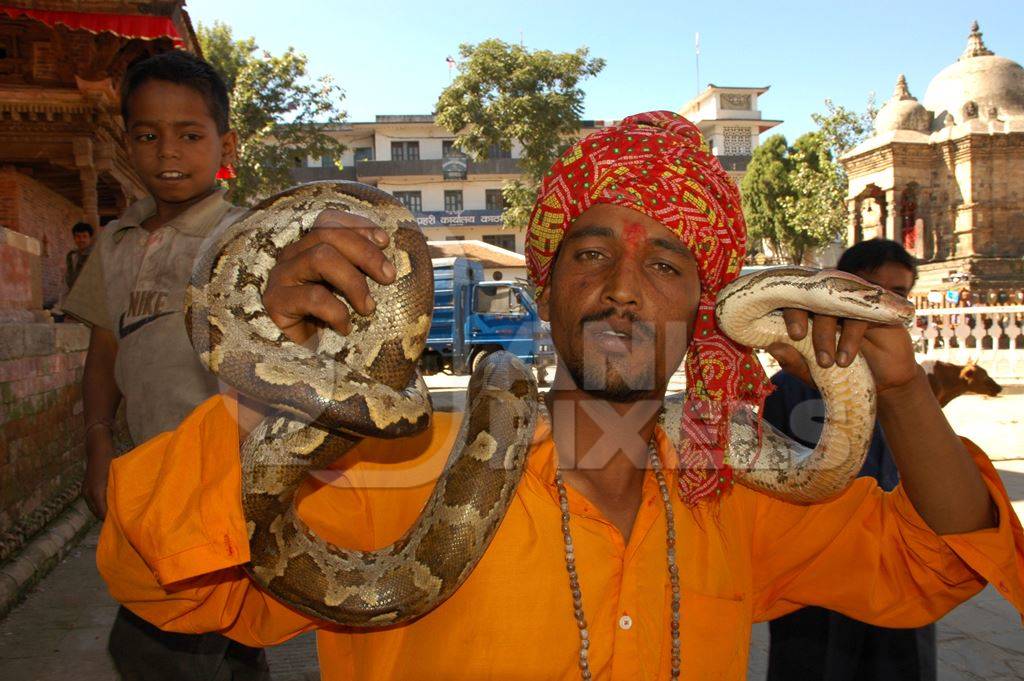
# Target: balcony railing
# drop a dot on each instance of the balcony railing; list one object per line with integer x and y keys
{"x": 329, "y": 173}
{"x": 434, "y": 166}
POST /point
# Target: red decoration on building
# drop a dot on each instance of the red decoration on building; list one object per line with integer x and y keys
{"x": 125, "y": 26}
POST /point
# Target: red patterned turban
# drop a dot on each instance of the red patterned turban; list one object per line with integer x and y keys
{"x": 658, "y": 164}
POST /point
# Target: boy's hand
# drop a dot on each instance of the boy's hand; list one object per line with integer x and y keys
{"x": 100, "y": 452}
{"x": 336, "y": 257}
{"x": 888, "y": 349}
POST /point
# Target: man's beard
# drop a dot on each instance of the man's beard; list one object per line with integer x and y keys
{"x": 600, "y": 376}
{"x": 615, "y": 387}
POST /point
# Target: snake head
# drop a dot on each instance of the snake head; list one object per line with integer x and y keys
{"x": 859, "y": 292}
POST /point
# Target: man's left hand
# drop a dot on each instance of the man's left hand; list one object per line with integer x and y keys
{"x": 887, "y": 349}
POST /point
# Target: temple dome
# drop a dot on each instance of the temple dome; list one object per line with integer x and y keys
{"x": 980, "y": 84}
{"x": 902, "y": 112}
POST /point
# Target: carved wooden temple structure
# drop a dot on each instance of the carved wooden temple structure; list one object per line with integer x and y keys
{"x": 62, "y": 151}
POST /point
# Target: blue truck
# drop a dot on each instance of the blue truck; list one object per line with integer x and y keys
{"x": 474, "y": 317}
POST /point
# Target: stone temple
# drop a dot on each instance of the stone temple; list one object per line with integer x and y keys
{"x": 945, "y": 177}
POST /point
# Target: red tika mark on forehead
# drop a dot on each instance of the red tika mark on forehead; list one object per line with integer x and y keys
{"x": 634, "y": 235}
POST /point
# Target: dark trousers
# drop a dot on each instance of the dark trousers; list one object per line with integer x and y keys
{"x": 143, "y": 652}
{"x": 814, "y": 644}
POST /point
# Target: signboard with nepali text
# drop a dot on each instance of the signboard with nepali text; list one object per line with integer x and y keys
{"x": 458, "y": 218}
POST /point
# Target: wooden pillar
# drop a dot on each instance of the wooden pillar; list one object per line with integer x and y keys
{"x": 87, "y": 173}
{"x": 90, "y": 196}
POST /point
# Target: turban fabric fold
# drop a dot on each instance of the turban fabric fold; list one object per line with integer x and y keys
{"x": 657, "y": 163}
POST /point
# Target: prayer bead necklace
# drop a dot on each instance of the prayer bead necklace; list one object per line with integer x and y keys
{"x": 574, "y": 582}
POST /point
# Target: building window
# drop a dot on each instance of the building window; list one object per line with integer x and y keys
{"x": 299, "y": 161}
{"x": 453, "y": 199}
{"x": 449, "y": 150}
{"x": 737, "y": 141}
{"x": 499, "y": 151}
{"x": 327, "y": 161}
{"x": 411, "y": 200}
{"x": 455, "y": 238}
{"x": 506, "y": 241}
{"x": 494, "y": 200}
{"x": 405, "y": 151}
{"x": 363, "y": 154}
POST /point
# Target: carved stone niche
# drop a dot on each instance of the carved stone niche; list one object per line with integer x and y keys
{"x": 870, "y": 217}
{"x": 735, "y": 102}
{"x": 870, "y": 213}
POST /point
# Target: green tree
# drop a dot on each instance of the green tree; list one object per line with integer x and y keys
{"x": 506, "y": 93}
{"x": 816, "y": 210}
{"x": 276, "y": 109}
{"x": 842, "y": 129}
{"x": 763, "y": 188}
{"x": 791, "y": 198}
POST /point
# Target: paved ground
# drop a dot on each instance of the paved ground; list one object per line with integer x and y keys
{"x": 60, "y": 631}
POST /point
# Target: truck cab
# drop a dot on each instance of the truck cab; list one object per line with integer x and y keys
{"x": 474, "y": 317}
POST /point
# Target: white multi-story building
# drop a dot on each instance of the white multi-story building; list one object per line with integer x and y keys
{"x": 731, "y": 123}
{"x": 453, "y": 197}
{"x": 456, "y": 198}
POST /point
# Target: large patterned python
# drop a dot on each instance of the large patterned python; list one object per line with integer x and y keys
{"x": 324, "y": 401}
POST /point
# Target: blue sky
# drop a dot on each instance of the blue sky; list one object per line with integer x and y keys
{"x": 389, "y": 56}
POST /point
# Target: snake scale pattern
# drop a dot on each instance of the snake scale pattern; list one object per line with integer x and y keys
{"x": 324, "y": 400}
{"x": 361, "y": 385}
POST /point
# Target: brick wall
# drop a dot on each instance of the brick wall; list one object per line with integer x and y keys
{"x": 21, "y": 281}
{"x": 42, "y": 449}
{"x": 31, "y": 208}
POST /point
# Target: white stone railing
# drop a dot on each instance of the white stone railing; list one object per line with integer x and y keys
{"x": 991, "y": 335}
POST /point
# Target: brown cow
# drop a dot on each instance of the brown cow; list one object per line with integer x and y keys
{"x": 953, "y": 380}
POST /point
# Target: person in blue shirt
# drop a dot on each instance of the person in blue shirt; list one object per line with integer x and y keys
{"x": 815, "y": 644}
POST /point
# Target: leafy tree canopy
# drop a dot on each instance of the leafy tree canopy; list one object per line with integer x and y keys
{"x": 505, "y": 93}
{"x": 276, "y": 109}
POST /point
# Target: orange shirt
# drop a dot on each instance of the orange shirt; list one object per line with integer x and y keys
{"x": 175, "y": 536}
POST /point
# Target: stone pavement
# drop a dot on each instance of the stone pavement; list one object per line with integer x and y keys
{"x": 59, "y": 632}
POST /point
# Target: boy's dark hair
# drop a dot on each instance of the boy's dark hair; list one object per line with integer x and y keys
{"x": 82, "y": 227}
{"x": 868, "y": 256}
{"x": 181, "y": 68}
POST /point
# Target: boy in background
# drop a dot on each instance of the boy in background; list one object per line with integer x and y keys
{"x": 75, "y": 260}
{"x": 175, "y": 109}
{"x": 819, "y": 644}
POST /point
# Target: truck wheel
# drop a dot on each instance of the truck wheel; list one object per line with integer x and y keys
{"x": 478, "y": 357}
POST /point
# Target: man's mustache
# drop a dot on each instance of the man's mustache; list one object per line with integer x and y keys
{"x": 640, "y": 327}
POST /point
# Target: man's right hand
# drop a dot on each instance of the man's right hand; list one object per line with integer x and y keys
{"x": 335, "y": 257}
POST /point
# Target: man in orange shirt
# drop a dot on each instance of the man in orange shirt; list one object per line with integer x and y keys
{"x": 618, "y": 558}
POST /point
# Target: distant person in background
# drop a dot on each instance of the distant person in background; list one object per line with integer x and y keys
{"x": 82, "y": 233}
{"x": 815, "y": 644}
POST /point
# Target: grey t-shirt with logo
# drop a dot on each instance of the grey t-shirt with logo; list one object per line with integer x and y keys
{"x": 134, "y": 285}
